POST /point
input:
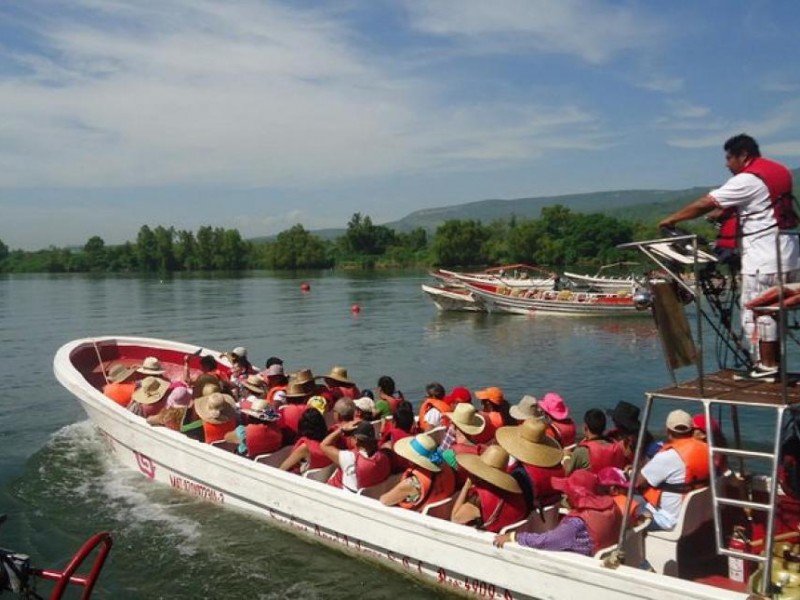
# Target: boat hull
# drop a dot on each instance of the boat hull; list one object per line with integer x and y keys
{"x": 453, "y": 299}
{"x": 435, "y": 550}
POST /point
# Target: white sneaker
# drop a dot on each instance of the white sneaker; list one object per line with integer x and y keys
{"x": 762, "y": 372}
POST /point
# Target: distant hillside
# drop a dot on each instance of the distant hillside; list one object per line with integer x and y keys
{"x": 633, "y": 205}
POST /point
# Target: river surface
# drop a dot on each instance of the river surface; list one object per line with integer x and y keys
{"x": 58, "y": 487}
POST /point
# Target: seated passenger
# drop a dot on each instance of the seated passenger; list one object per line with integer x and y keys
{"x": 152, "y": 366}
{"x": 276, "y": 384}
{"x": 260, "y": 431}
{"x": 526, "y": 408}
{"x": 178, "y": 401}
{"x": 428, "y": 479}
{"x": 613, "y": 482}
{"x": 339, "y": 385}
{"x": 254, "y": 387}
{"x": 401, "y": 425}
{"x": 292, "y": 411}
{"x": 117, "y": 386}
{"x": 433, "y": 407}
{"x": 626, "y": 430}
{"x": 466, "y": 424}
{"x": 678, "y": 468}
{"x": 387, "y": 396}
{"x": 319, "y": 404}
{"x": 491, "y": 498}
{"x": 307, "y": 453}
{"x": 208, "y": 366}
{"x": 218, "y": 413}
{"x": 539, "y": 459}
{"x": 562, "y": 428}
{"x": 365, "y": 408}
{"x": 595, "y": 452}
{"x": 150, "y": 397}
{"x": 592, "y": 523}
{"x": 495, "y": 408}
{"x": 361, "y": 467}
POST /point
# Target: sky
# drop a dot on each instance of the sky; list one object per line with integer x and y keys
{"x": 258, "y": 114}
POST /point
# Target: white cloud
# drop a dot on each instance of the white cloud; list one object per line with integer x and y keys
{"x": 590, "y": 30}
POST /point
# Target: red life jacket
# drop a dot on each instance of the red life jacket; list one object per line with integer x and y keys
{"x": 778, "y": 180}
{"x": 274, "y": 390}
{"x": 694, "y": 454}
{"x": 603, "y": 525}
{"x": 603, "y": 453}
{"x": 428, "y": 404}
{"x": 121, "y": 393}
{"x": 291, "y": 415}
{"x": 215, "y": 433}
{"x": 316, "y": 457}
{"x": 544, "y": 492}
{"x": 564, "y": 432}
{"x": 370, "y": 470}
{"x": 433, "y": 486}
{"x": 499, "y": 508}
{"x": 262, "y": 438}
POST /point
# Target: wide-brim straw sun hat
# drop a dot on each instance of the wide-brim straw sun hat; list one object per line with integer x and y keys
{"x": 206, "y": 379}
{"x": 530, "y": 443}
{"x": 421, "y": 450}
{"x": 526, "y": 408}
{"x": 302, "y": 377}
{"x": 255, "y": 383}
{"x": 491, "y": 467}
{"x": 339, "y": 374}
{"x": 151, "y": 366}
{"x": 216, "y": 408}
{"x": 151, "y": 390}
{"x": 466, "y": 419}
{"x": 295, "y": 390}
{"x": 117, "y": 373}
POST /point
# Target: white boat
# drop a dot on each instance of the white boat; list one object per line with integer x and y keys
{"x": 452, "y": 299}
{"x": 515, "y": 276}
{"x": 563, "y": 302}
{"x": 453, "y": 556}
{"x": 601, "y": 283}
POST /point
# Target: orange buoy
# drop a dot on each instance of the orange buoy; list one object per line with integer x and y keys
{"x": 305, "y": 287}
{"x": 355, "y": 309}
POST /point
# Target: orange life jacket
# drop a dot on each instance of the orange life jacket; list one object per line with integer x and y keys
{"x": 602, "y": 525}
{"x": 621, "y": 500}
{"x": 121, "y": 393}
{"x": 272, "y": 391}
{"x": 694, "y": 454}
{"x": 214, "y": 433}
{"x": 428, "y": 404}
{"x": 433, "y": 486}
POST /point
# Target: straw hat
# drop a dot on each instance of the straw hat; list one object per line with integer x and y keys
{"x": 151, "y": 390}
{"x": 339, "y": 374}
{"x": 421, "y": 450}
{"x": 255, "y": 384}
{"x": 302, "y": 376}
{"x": 530, "y": 444}
{"x": 216, "y": 408}
{"x": 117, "y": 373}
{"x": 553, "y": 405}
{"x": 295, "y": 390}
{"x": 526, "y": 408}
{"x": 151, "y": 366}
{"x": 261, "y": 410}
{"x": 490, "y": 466}
{"x": 491, "y": 394}
{"x": 466, "y": 418}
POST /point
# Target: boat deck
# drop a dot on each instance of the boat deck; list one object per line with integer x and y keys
{"x": 724, "y": 387}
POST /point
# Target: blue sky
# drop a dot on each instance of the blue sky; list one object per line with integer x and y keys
{"x": 258, "y": 115}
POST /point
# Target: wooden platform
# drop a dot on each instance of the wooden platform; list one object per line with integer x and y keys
{"x": 724, "y": 388}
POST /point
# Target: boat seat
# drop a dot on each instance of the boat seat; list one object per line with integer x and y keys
{"x": 662, "y": 546}
{"x": 274, "y": 459}
{"x": 440, "y": 509}
{"x": 534, "y": 523}
{"x": 376, "y": 491}
{"x": 226, "y": 446}
{"x": 322, "y": 474}
{"x": 633, "y": 546}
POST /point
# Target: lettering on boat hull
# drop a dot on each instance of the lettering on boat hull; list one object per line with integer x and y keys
{"x": 196, "y": 489}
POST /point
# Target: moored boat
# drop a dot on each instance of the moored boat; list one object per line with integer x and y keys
{"x": 452, "y": 299}
{"x": 453, "y": 556}
{"x": 599, "y": 282}
{"x": 514, "y": 276}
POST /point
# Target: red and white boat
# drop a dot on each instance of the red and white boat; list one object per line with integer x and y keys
{"x": 452, "y": 298}
{"x": 517, "y": 275}
{"x": 426, "y": 546}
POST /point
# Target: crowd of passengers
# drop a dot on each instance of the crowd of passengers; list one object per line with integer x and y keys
{"x": 502, "y": 462}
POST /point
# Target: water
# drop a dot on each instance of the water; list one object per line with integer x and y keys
{"x": 58, "y": 487}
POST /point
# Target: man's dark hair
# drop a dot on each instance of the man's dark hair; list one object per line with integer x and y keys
{"x": 208, "y": 363}
{"x": 595, "y": 420}
{"x": 435, "y": 390}
{"x": 273, "y": 360}
{"x": 386, "y": 384}
{"x": 742, "y": 144}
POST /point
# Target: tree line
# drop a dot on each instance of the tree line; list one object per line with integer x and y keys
{"x": 558, "y": 238}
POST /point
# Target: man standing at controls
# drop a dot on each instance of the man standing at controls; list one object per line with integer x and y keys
{"x": 760, "y": 193}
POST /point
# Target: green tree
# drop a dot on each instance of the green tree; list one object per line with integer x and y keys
{"x": 296, "y": 248}
{"x": 460, "y": 243}
{"x": 95, "y": 254}
{"x": 146, "y": 252}
{"x": 3, "y": 252}
{"x": 186, "y": 251}
{"x": 362, "y": 237}
{"x": 205, "y": 248}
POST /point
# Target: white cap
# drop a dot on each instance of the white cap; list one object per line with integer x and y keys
{"x": 679, "y": 421}
{"x": 240, "y": 351}
{"x": 365, "y": 404}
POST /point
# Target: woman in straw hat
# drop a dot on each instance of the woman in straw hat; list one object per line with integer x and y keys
{"x": 151, "y": 366}
{"x": 592, "y": 523}
{"x": 340, "y": 385}
{"x": 562, "y": 428}
{"x": 364, "y": 466}
{"x": 539, "y": 460}
{"x": 491, "y": 498}
{"x": 118, "y": 387}
{"x": 428, "y": 479}
{"x": 307, "y": 453}
{"x": 260, "y": 431}
{"x": 150, "y": 397}
{"x": 292, "y": 411}
{"x": 218, "y": 413}
{"x": 466, "y": 425}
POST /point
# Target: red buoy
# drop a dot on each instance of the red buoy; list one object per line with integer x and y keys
{"x": 355, "y": 309}
{"x": 305, "y": 287}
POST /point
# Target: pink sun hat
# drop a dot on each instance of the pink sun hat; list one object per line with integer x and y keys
{"x": 553, "y": 405}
